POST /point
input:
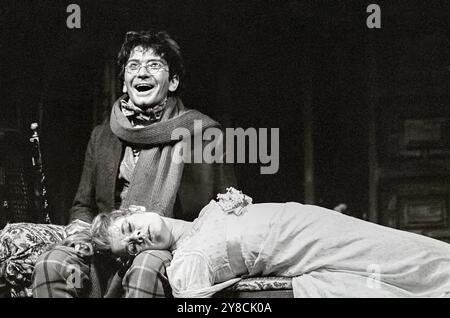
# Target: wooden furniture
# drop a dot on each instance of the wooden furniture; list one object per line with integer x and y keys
{"x": 413, "y": 185}
{"x": 409, "y": 130}
{"x": 259, "y": 287}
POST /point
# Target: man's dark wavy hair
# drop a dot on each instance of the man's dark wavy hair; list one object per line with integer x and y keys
{"x": 163, "y": 45}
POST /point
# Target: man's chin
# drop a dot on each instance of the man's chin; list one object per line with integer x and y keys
{"x": 143, "y": 104}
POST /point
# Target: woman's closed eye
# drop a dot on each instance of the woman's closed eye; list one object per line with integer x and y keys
{"x": 127, "y": 227}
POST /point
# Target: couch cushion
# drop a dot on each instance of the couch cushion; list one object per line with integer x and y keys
{"x": 20, "y": 246}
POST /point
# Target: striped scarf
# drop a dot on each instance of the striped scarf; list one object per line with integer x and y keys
{"x": 156, "y": 177}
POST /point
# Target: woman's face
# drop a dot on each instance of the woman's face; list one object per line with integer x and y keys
{"x": 138, "y": 232}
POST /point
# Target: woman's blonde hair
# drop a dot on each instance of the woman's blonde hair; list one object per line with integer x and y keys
{"x": 100, "y": 228}
{"x": 81, "y": 242}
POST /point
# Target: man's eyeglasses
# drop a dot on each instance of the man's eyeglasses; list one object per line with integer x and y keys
{"x": 152, "y": 67}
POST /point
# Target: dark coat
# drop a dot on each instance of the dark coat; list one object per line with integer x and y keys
{"x": 96, "y": 193}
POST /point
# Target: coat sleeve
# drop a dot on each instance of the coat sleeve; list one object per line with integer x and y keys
{"x": 84, "y": 207}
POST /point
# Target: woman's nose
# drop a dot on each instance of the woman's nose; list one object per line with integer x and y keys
{"x": 138, "y": 235}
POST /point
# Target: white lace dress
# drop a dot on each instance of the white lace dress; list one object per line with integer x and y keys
{"x": 328, "y": 254}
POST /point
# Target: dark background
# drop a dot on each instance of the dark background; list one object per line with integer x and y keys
{"x": 249, "y": 64}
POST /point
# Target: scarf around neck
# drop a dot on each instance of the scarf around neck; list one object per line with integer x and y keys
{"x": 156, "y": 177}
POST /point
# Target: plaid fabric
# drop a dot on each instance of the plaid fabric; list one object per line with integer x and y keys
{"x": 61, "y": 273}
{"x": 147, "y": 277}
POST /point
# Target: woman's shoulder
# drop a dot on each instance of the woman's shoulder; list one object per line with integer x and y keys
{"x": 198, "y": 224}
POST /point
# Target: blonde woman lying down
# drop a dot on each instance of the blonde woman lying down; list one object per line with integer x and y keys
{"x": 327, "y": 254}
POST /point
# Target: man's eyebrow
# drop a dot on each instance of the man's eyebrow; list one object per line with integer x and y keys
{"x": 150, "y": 60}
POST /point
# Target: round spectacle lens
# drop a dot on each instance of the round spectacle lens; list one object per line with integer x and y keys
{"x": 133, "y": 67}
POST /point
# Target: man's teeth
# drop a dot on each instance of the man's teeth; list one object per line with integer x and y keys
{"x": 143, "y": 87}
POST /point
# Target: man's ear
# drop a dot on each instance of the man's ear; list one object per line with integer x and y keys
{"x": 173, "y": 83}
{"x": 124, "y": 88}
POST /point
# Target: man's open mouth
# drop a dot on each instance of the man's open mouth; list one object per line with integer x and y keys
{"x": 143, "y": 87}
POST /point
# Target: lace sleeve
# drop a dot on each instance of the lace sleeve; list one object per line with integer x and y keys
{"x": 189, "y": 272}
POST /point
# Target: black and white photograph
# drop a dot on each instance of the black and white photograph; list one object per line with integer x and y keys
{"x": 229, "y": 150}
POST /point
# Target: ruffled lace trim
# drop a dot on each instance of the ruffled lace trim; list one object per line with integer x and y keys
{"x": 233, "y": 201}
